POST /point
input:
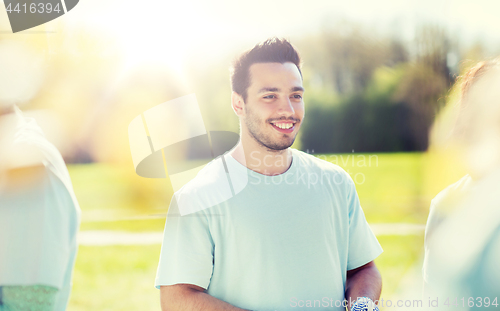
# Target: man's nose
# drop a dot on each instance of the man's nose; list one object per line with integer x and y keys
{"x": 286, "y": 107}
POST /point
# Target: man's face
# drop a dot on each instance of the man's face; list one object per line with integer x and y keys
{"x": 274, "y": 108}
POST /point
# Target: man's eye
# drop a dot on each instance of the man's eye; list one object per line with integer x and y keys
{"x": 270, "y": 96}
{"x": 297, "y": 96}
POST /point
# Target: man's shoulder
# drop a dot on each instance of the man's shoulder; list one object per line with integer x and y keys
{"x": 459, "y": 186}
{"x": 209, "y": 187}
{"x": 212, "y": 174}
{"x": 319, "y": 164}
{"x": 445, "y": 202}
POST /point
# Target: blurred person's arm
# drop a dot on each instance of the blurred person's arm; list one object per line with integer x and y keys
{"x": 188, "y": 297}
{"x": 364, "y": 281}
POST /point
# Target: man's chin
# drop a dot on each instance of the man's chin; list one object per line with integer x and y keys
{"x": 280, "y": 147}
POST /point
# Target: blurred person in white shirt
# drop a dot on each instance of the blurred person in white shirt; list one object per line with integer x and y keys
{"x": 39, "y": 214}
{"x": 462, "y": 238}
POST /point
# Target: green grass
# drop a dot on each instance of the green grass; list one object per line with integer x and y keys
{"x": 400, "y": 254}
{"x": 389, "y": 186}
{"x": 115, "y": 188}
{"x": 398, "y": 187}
{"x": 115, "y": 278}
{"x": 139, "y": 225}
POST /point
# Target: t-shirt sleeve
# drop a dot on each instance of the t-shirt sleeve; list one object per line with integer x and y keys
{"x": 363, "y": 245}
{"x": 433, "y": 221}
{"x": 187, "y": 250}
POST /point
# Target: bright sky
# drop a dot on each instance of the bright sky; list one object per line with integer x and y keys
{"x": 160, "y": 30}
{"x": 174, "y": 28}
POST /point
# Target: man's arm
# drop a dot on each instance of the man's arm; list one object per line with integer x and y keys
{"x": 364, "y": 281}
{"x": 188, "y": 297}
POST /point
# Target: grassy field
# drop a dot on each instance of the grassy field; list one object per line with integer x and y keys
{"x": 115, "y": 278}
{"x": 393, "y": 188}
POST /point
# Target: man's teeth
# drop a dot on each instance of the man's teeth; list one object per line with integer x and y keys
{"x": 284, "y": 126}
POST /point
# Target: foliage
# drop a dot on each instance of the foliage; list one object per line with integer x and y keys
{"x": 388, "y": 91}
{"x": 393, "y": 114}
{"x": 368, "y": 122}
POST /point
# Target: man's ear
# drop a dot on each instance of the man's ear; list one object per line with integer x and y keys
{"x": 237, "y": 104}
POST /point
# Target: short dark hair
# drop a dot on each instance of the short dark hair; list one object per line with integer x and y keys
{"x": 273, "y": 50}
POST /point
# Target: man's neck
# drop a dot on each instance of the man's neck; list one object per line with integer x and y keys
{"x": 260, "y": 159}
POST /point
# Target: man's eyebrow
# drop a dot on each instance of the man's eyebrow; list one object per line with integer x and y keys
{"x": 297, "y": 89}
{"x": 269, "y": 89}
{"x": 275, "y": 89}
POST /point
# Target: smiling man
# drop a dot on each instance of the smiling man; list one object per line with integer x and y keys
{"x": 292, "y": 236}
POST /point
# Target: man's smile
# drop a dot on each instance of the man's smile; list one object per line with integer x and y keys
{"x": 285, "y": 127}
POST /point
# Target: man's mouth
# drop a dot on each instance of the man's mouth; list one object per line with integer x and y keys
{"x": 284, "y": 127}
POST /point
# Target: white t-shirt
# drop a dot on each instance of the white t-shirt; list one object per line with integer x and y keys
{"x": 38, "y": 225}
{"x": 442, "y": 206}
{"x": 278, "y": 243}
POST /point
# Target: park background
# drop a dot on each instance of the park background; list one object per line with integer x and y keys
{"x": 380, "y": 103}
